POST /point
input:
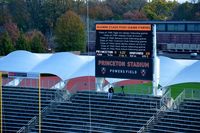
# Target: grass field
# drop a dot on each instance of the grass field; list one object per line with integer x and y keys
{"x": 147, "y": 88}
{"x": 178, "y": 88}
{"x": 136, "y": 89}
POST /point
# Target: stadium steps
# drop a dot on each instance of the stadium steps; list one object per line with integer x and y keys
{"x": 20, "y": 105}
{"x": 93, "y": 112}
{"x": 186, "y": 119}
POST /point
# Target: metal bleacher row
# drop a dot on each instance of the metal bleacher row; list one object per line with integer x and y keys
{"x": 186, "y": 119}
{"x": 93, "y": 112}
{"x": 20, "y": 105}
{"x": 89, "y": 111}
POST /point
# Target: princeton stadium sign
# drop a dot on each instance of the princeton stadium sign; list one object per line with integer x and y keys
{"x": 124, "y": 51}
{"x": 118, "y": 67}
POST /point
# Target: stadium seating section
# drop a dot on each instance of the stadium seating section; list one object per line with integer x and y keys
{"x": 20, "y": 105}
{"x": 93, "y": 112}
{"x": 186, "y": 119}
{"x": 89, "y": 111}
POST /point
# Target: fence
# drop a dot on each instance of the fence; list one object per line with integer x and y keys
{"x": 186, "y": 94}
{"x": 192, "y": 94}
{"x": 149, "y": 124}
{"x": 166, "y": 99}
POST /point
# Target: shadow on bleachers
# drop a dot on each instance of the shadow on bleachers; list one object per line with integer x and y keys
{"x": 93, "y": 112}
{"x": 186, "y": 119}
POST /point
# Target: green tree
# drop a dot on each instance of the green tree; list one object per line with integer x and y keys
{"x": 6, "y": 45}
{"x": 69, "y": 33}
{"x": 22, "y": 43}
{"x": 184, "y": 12}
{"x": 160, "y": 9}
{"x": 36, "y": 45}
{"x": 197, "y": 11}
{"x": 37, "y": 41}
{"x": 79, "y": 7}
{"x": 20, "y": 14}
{"x": 4, "y": 12}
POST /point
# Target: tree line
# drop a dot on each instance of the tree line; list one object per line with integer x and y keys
{"x": 60, "y": 25}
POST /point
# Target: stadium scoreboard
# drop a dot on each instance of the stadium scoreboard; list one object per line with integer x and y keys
{"x": 124, "y": 51}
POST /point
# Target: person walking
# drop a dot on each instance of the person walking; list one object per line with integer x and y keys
{"x": 110, "y": 93}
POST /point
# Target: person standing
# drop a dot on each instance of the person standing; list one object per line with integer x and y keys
{"x": 110, "y": 93}
{"x": 122, "y": 90}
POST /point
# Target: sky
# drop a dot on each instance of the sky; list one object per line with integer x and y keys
{"x": 181, "y": 1}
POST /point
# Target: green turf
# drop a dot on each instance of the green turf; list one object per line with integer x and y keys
{"x": 136, "y": 89}
{"x": 178, "y": 88}
{"x": 147, "y": 88}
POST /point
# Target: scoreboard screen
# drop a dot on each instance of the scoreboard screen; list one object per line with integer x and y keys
{"x": 124, "y": 51}
{"x": 124, "y": 40}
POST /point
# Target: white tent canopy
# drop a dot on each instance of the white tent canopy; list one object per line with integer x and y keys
{"x": 67, "y": 65}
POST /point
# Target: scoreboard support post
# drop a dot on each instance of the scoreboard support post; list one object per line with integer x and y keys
{"x": 99, "y": 84}
{"x": 1, "y": 104}
{"x": 155, "y": 63}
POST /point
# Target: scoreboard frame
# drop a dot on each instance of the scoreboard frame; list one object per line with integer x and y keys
{"x": 128, "y": 44}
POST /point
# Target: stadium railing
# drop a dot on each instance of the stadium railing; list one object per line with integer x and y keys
{"x": 32, "y": 123}
{"x": 166, "y": 99}
{"x": 179, "y": 99}
{"x": 149, "y": 124}
{"x": 186, "y": 94}
{"x": 192, "y": 94}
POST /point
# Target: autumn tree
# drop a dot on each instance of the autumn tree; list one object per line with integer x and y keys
{"x": 100, "y": 11}
{"x": 134, "y": 15}
{"x": 69, "y": 33}
{"x": 119, "y": 7}
{"x": 12, "y": 30}
{"x": 6, "y": 45}
{"x": 37, "y": 41}
{"x": 51, "y": 10}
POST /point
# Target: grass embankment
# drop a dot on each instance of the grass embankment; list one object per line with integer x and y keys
{"x": 178, "y": 88}
{"x": 145, "y": 88}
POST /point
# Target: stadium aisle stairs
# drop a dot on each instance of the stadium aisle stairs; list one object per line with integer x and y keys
{"x": 186, "y": 119}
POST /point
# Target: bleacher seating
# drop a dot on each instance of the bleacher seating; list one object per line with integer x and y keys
{"x": 93, "y": 112}
{"x": 186, "y": 119}
{"x": 89, "y": 111}
{"x": 20, "y": 105}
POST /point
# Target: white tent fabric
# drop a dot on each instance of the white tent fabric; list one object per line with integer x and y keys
{"x": 189, "y": 74}
{"x": 61, "y": 64}
{"x": 67, "y": 65}
{"x": 171, "y": 68}
{"x": 21, "y": 61}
